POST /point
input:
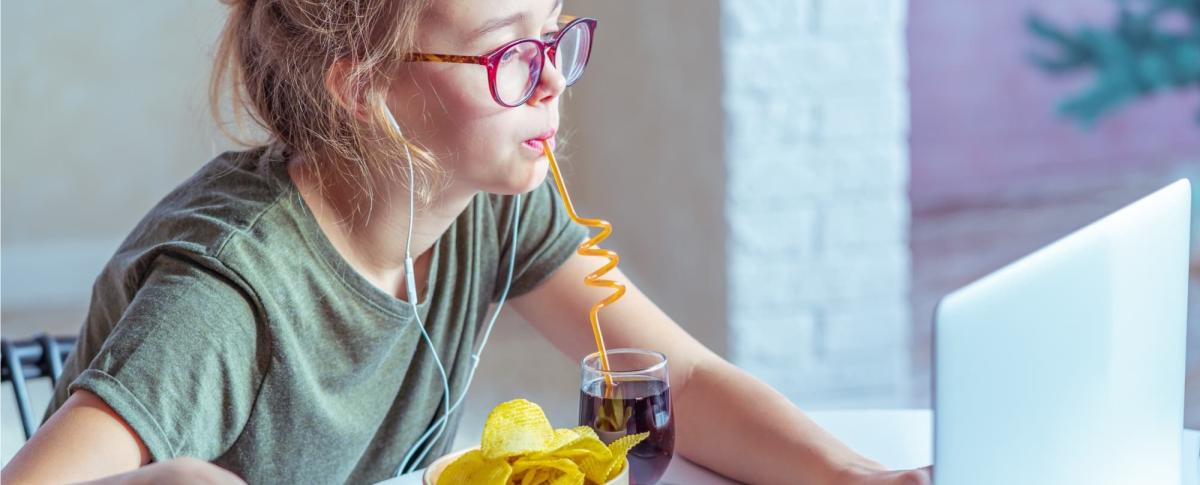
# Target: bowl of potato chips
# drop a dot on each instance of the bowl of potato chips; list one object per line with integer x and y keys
{"x": 520, "y": 447}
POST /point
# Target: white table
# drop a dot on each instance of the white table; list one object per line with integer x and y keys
{"x": 903, "y": 438}
{"x": 899, "y": 439}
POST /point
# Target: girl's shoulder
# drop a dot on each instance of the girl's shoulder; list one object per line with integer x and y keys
{"x": 227, "y": 195}
{"x": 228, "y": 202}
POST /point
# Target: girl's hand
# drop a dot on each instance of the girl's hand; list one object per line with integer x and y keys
{"x": 176, "y": 471}
{"x": 86, "y": 439}
{"x": 866, "y": 476}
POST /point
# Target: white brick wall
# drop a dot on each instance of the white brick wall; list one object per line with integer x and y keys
{"x": 816, "y": 112}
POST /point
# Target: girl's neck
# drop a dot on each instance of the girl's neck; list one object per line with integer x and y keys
{"x": 371, "y": 236}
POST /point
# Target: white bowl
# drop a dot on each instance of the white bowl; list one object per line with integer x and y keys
{"x": 435, "y": 469}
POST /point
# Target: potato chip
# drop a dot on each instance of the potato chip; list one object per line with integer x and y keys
{"x": 619, "y": 449}
{"x": 572, "y": 477}
{"x": 519, "y": 447}
{"x": 562, "y": 437}
{"x": 596, "y": 470}
{"x": 473, "y": 468}
{"x": 550, "y": 471}
{"x": 566, "y": 439}
{"x": 601, "y": 470}
{"x": 579, "y": 449}
{"x": 585, "y": 431}
{"x": 514, "y": 428}
{"x": 536, "y": 476}
{"x": 561, "y": 464}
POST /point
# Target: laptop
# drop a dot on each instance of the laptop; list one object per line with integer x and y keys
{"x": 1067, "y": 366}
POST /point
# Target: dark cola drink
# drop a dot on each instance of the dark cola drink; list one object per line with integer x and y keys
{"x": 636, "y": 404}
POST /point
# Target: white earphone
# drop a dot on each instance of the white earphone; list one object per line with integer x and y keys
{"x": 409, "y": 463}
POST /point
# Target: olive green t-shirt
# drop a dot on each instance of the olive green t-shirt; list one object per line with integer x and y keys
{"x": 227, "y": 327}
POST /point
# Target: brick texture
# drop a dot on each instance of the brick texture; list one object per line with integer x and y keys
{"x": 816, "y": 113}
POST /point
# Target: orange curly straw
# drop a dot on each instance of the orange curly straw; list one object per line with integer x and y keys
{"x": 588, "y": 248}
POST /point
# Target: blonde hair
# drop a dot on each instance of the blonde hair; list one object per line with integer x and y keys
{"x": 275, "y": 57}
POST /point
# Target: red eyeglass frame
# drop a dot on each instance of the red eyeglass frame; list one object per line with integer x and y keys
{"x": 491, "y": 60}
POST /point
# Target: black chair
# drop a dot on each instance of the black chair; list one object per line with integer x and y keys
{"x": 23, "y": 360}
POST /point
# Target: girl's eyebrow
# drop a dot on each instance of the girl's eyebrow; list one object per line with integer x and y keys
{"x": 499, "y": 23}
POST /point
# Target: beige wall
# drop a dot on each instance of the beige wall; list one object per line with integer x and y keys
{"x": 647, "y": 142}
{"x": 103, "y": 113}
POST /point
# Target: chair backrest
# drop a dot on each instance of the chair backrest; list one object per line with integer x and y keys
{"x": 36, "y": 358}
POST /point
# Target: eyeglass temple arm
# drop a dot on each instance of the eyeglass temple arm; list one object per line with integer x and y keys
{"x": 421, "y": 57}
{"x": 563, "y": 20}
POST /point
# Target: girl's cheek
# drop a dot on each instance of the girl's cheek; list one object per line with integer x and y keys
{"x": 465, "y": 89}
{"x": 462, "y": 116}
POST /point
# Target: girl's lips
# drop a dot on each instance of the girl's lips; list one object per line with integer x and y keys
{"x": 535, "y": 144}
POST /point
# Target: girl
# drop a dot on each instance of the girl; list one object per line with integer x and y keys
{"x": 276, "y": 317}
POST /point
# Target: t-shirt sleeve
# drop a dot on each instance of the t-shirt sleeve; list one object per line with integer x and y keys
{"x": 546, "y": 238}
{"x": 183, "y": 364}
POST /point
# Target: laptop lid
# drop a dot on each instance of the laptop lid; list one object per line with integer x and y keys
{"x": 1067, "y": 366}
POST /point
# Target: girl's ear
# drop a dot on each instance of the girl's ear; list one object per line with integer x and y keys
{"x": 348, "y": 90}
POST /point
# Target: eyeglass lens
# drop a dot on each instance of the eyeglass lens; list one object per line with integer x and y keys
{"x": 520, "y": 67}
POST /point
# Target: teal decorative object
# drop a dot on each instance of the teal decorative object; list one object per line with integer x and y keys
{"x": 1152, "y": 46}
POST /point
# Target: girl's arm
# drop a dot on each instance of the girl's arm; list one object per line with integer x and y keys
{"x": 86, "y": 440}
{"x": 727, "y": 420}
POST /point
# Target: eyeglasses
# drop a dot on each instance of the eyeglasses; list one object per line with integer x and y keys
{"x": 514, "y": 69}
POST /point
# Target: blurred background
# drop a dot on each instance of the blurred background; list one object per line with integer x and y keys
{"x": 795, "y": 182}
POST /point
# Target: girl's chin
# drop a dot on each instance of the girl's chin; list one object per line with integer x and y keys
{"x": 537, "y": 175}
{"x": 532, "y": 175}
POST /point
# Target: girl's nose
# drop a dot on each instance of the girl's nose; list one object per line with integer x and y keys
{"x": 550, "y": 84}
